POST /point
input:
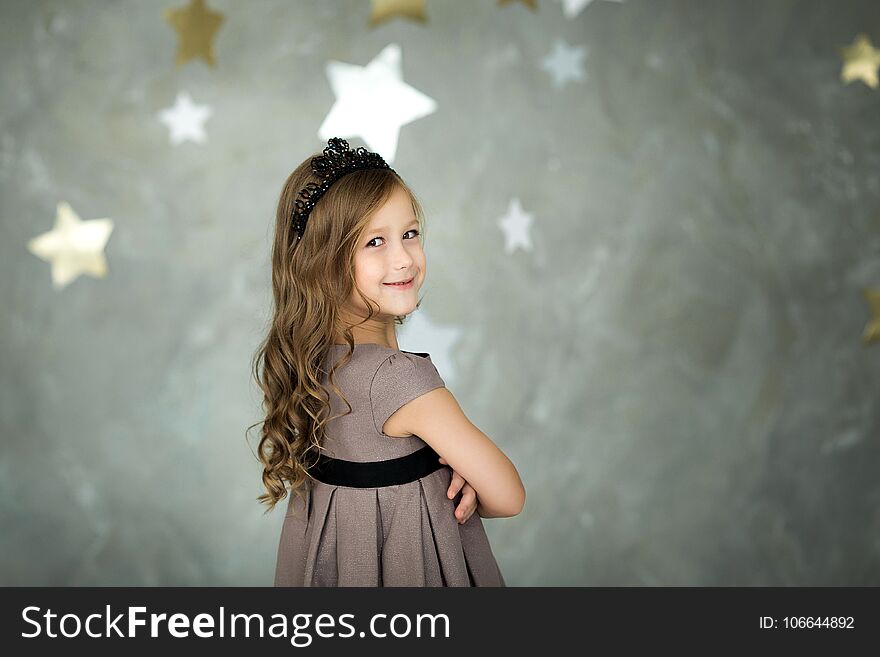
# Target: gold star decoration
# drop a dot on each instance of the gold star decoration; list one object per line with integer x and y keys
{"x": 860, "y": 62}
{"x": 196, "y": 26}
{"x": 383, "y": 10}
{"x": 872, "y": 330}
{"x": 73, "y": 246}
{"x": 532, "y": 4}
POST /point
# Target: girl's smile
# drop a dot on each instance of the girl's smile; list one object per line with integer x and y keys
{"x": 401, "y": 286}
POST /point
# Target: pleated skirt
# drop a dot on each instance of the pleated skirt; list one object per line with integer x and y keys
{"x": 394, "y": 535}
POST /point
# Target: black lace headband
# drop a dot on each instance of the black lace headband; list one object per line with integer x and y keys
{"x": 338, "y": 159}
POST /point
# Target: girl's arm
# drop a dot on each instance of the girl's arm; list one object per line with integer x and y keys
{"x": 485, "y": 513}
{"x": 437, "y": 418}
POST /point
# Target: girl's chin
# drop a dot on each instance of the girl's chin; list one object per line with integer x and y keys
{"x": 398, "y": 309}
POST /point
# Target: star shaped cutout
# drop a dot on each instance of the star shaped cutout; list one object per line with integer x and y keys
{"x": 565, "y": 63}
{"x": 383, "y": 10}
{"x": 73, "y": 246}
{"x": 872, "y": 330}
{"x": 860, "y": 62}
{"x": 572, "y": 8}
{"x": 186, "y": 119}
{"x": 196, "y": 26}
{"x": 373, "y": 102}
{"x": 515, "y": 225}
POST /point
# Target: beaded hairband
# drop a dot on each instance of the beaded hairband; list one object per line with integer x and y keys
{"x": 338, "y": 159}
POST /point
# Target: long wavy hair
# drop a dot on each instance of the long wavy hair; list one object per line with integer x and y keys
{"x": 311, "y": 280}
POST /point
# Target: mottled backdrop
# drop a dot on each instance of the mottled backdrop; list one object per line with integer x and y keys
{"x": 670, "y": 353}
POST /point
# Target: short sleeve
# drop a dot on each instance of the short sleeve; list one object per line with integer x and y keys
{"x": 399, "y": 379}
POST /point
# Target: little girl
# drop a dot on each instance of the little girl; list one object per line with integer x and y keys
{"x": 374, "y": 447}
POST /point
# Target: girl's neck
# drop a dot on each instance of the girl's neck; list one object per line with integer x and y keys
{"x": 368, "y": 337}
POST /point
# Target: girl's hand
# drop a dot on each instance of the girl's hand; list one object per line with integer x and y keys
{"x": 468, "y": 496}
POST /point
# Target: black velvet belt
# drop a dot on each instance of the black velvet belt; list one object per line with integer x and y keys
{"x": 375, "y": 474}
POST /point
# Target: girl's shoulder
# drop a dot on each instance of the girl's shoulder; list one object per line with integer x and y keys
{"x": 378, "y": 354}
{"x": 393, "y": 377}
{"x": 382, "y": 368}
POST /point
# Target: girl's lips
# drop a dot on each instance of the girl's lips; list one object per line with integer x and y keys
{"x": 401, "y": 286}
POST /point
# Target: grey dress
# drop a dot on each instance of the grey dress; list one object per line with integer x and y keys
{"x": 398, "y": 535}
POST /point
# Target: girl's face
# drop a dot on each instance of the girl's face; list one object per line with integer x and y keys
{"x": 389, "y": 251}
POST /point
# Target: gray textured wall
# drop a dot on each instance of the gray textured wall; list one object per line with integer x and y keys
{"x": 675, "y": 367}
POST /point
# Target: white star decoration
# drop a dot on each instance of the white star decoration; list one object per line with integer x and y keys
{"x": 186, "y": 119}
{"x": 573, "y": 7}
{"x": 565, "y": 63}
{"x": 515, "y": 225}
{"x": 73, "y": 246}
{"x": 421, "y": 334}
{"x": 373, "y": 102}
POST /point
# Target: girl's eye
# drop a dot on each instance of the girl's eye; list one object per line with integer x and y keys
{"x": 413, "y": 230}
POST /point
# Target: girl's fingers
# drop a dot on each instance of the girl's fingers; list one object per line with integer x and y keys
{"x": 468, "y": 504}
{"x": 457, "y": 482}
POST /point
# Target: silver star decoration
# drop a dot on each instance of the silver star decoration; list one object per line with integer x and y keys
{"x": 186, "y": 119}
{"x": 573, "y": 7}
{"x": 373, "y": 102}
{"x": 564, "y": 63}
{"x": 73, "y": 246}
{"x": 516, "y": 224}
